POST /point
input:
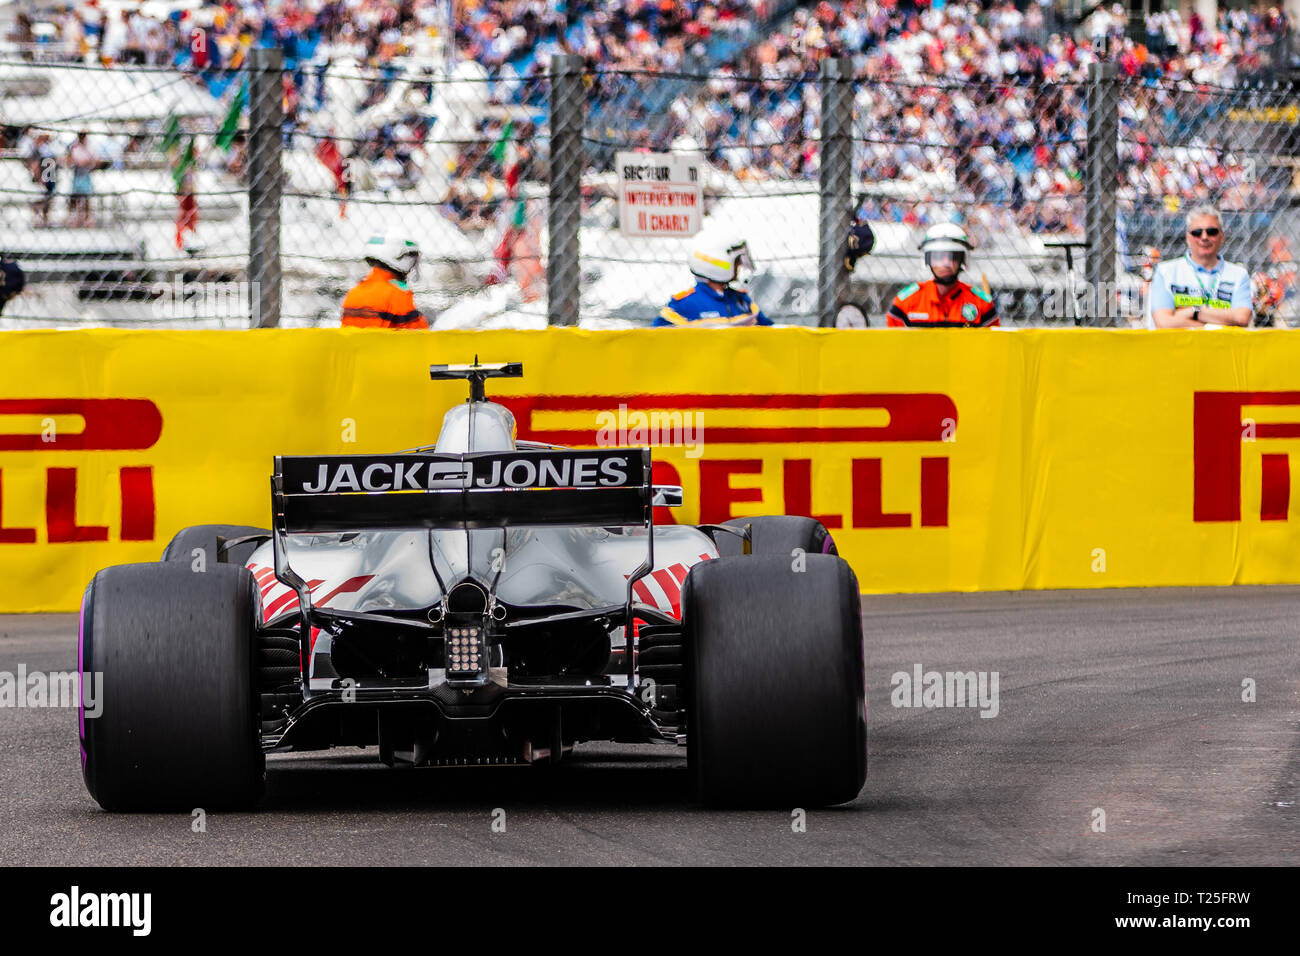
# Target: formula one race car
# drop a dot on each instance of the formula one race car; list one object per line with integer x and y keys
{"x": 480, "y": 601}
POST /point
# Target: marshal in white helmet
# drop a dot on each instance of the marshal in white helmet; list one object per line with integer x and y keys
{"x": 395, "y": 253}
{"x": 722, "y": 260}
{"x": 722, "y": 267}
{"x": 944, "y": 301}
{"x": 383, "y": 299}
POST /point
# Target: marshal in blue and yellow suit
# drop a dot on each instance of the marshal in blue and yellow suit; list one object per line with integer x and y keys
{"x": 703, "y": 306}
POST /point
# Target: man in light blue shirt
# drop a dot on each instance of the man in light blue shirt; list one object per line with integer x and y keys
{"x": 1200, "y": 289}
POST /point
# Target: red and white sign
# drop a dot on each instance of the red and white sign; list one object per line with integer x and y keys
{"x": 659, "y": 194}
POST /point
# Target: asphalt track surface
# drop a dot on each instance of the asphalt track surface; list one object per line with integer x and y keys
{"x": 1124, "y": 701}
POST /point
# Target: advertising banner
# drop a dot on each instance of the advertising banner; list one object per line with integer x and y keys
{"x": 944, "y": 460}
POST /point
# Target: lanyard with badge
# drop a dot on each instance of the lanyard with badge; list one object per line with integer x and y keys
{"x": 1211, "y": 295}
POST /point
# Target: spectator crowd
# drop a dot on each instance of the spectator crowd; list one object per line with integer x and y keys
{"x": 973, "y": 106}
{"x": 984, "y": 105}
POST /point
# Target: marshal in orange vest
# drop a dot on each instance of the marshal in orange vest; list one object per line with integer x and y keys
{"x": 382, "y": 300}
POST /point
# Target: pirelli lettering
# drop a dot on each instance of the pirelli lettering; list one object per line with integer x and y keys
{"x": 728, "y": 483}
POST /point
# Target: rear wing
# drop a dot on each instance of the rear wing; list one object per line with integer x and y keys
{"x": 476, "y": 374}
{"x": 345, "y": 493}
{"x": 473, "y": 490}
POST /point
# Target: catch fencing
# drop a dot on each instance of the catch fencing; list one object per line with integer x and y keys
{"x": 246, "y": 197}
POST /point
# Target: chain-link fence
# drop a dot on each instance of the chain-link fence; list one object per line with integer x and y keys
{"x": 247, "y": 196}
{"x": 1005, "y": 160}
{"x": 101, "y": 172}
{"x": 137, "y": 196}
{"x": 1185, "y": 144}
{"x": 456, "y": 163}
{"x": 754, "y": 144}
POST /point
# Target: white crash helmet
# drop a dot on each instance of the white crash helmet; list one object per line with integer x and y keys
{"x": 946, "y": 237}
{"x": 394, "y": 253}
{"x": 721, "y": 259}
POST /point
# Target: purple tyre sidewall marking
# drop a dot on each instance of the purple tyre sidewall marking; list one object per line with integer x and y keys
{"x": 81, "y": 672}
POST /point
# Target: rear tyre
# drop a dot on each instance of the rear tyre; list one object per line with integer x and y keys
{"x": 179, "y": 726}
{"x": 776, "y": 688}
{"x": 181, "y": 547}
{"x": 776, "y": 534}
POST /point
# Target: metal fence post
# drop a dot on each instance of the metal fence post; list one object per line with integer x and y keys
{"x": 1099, "y": 189}
{"x": 835, "y": 186}
{"x": 265, "y": 119}
{"x": 568, "y": 112}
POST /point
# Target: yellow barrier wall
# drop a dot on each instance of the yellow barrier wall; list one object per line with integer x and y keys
{"x": 943, "y": 460}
